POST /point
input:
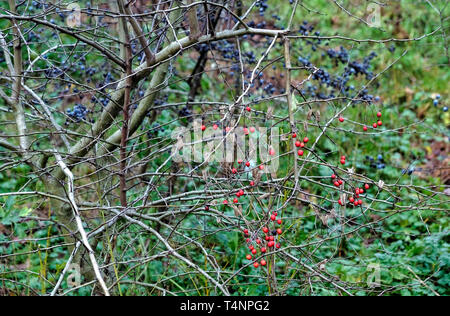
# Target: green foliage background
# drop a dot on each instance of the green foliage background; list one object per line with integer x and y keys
{"x": 413, "y": 247}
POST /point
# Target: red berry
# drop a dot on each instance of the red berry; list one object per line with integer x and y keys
{"x": 245, "y": 130}
{"x": 252, "y": 183}
{"x": 297, "y": 144}
{"x": 271, "y": 238}
{"x": 248, "y": 257}
{"x": 215, "y": 127}
{"x": 379, "y": 123}
{"x": 270, "y": 244}
{"x": 203, "y": 127}
{"x": 235, "y": 201}
{"x": 375, "y": 125}
{"x": 263, "y": 262}
{"x": 379, "y": 114}
{"x": 341, "y": 119}
{"x": 246, "y": 231}
{"x": 336, "y": 184}
{"x": 271, "y": 152}
{"x": 251, "y": 247}
{"x": 263, "y": 249}
{"x": 351, "y": 200}
{"x": 273, "y": 217}
{"x": 265, "y": 230}
{"x": 340, "y": 202}
{"x": 278, "y": 246}
{"x": 261, "y": 167}
{"x": 333, "y": 176}
{"x": 279, "y": 231}
{"x": 239, "y": 161}
{"x": 357, "y": 191}
{"x": 279, "y": 221}
{"x": 300, "y": 152}
{"x": 267, "y": 238}
{"x": 361, "y": 191}
{"x": 340, "y": 182}
{"x": 254, "y": 251}
{"x": 356, "y": 203}
{"x": 252, "y": 129}
{"x": 367, "y": 187}
{"x": 258, "y": 241}
{"x": 247, "y": 163}
{"x": 247, "y": 240}
{"x": 206, "y": 208}
{"x": 256, "y": 264}
{"x": 234, "y": 171}
{"x": 365, "y": 128}
{"x": 225, "y": 202}
{"x": 241, "y": 192}
{"x": 294, "y": 135}
{"x": 305, "y": 140}
{"x": 343, "y": 157}
{"x": 248, "y": 109}
{"x": 342, "y": 162}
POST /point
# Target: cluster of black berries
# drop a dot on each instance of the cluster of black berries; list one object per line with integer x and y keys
{"x": 108, "y": 78}
{"x": 32, "y": 36}
{"x": 436, "y": 102}
{"x": 102, "y": 100}
{"x": 34, "y": 5}
{"x": 61, "y": 14}
{"x": 54, "y": 72}
{"x": 185, "y": 112}
{"x": 408, "y": 171}
{"x": 306, "y": 29}
{"x": 363, "y": 68}
{"x": 154, "y": 130}
{"x": 162, "y": 99}
{"x": 340, "y": 55}
{"x": 379, "y": 163}
{"x": 225, "y": 48}
{"x": 202, "y": 48}
{"x": 78, "y": 113}
{"x": 262, "y": 5}
{"x": 339, "y": 84}
{"x": 260, "y": 25}
{"x": 331, "y": 85}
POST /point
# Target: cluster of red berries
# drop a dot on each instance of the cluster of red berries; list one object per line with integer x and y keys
{"x": 355, "y": 199}
{"x": 227, "y": 129}
{"x": 238, "y": 195}
{"x": 241, "y": 191}
{"x": 343, "y": 160}
{"x": 249, "y": 130}
{"x": 376, "y": 124}
{"x": 269, "y": 241}
{"x": 300, "y": 144}
{"x": 337, "y": 182}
